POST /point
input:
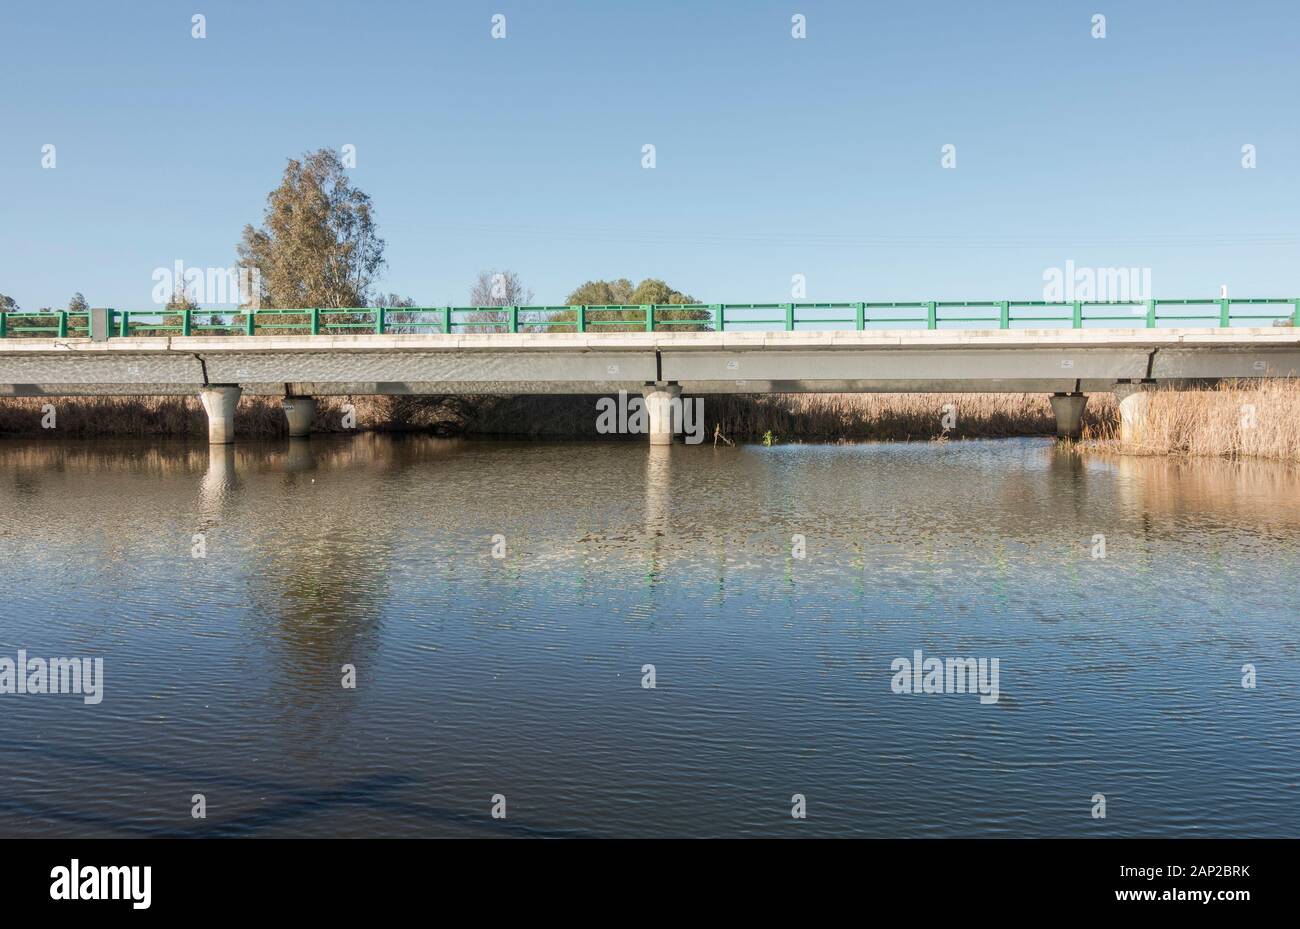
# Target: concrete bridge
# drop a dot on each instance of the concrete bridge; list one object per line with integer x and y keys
{"x": 1065, "y": 363}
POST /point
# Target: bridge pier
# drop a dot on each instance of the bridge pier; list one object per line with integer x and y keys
{"x": 1069, "y": 414}
{"x": 299, "y": 411}
{"x": 660, "y": 400}
{"x": 1132, "y": 410}
{"x": 220, "y": 401}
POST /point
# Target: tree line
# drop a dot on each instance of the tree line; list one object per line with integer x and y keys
{"x": 77, "y": 304}
{"x": 318, "y": 246}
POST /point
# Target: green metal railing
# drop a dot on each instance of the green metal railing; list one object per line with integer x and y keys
{"x": 697, "y": 317}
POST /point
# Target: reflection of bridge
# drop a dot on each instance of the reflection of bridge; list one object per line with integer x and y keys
{"x": 670, "y": 349}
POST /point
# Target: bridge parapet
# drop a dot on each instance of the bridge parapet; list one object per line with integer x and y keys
{"x": 695, "y": 317}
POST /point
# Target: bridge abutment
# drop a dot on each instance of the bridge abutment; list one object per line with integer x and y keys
{"x": 220, "y": 402}
{"x": 1132, "y": 410}
{"x": 660, "y": 401}
{"x": 299, "y": 412}
{"x": 1068, "y": 409}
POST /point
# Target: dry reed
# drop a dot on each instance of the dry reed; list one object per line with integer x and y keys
{"x": 177, "y": 417}
{"x": 1235, "y": 421}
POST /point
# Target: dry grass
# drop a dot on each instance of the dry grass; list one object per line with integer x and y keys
{"x": 799, "y": 417}
{"x": 1237, "y": 420}
{"x": 894, "y": 417}
{"x": 792, "y": 417}
{"x": 1213, "y": 423}
{"x": 789, "y": 417}
{"x": 178, "y": 417}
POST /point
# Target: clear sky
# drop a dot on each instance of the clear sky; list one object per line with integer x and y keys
{"x": 774, "y": 156}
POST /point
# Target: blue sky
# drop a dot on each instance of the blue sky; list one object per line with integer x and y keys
{"x": 775, "y": 156}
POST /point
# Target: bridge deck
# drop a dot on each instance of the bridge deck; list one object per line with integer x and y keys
{"x": 1009, "y": 360}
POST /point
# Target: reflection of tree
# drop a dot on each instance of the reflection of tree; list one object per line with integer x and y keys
{"x": 323, "y": 571}
{"x": 324, "y": 601}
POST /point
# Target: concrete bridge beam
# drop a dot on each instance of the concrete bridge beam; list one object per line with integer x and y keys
{"x": 1069, "y": 414}
{"x": 220, "y": 403}
{"x": 299, "y": 411}
{"x": 660, "y": 401}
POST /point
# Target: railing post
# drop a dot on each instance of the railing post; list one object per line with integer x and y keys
{"x": 581, "y": 309}
{"x": 446, "y": 320}
{"x": 789, "y": 317}
{"x": 4, "y": 326}
{"x": 649, "y": 316}
{"x": 859, "y": 316}
{"x": 185, "y": 322}
{"x": 63, "y": 324}
{"x": 1295, "y": 314}
{"x": 718, "y": 312}
{"x": 315, "y": 320}
{"x": 250, "y": 325}
{"x": 512, "y": 317}
{"x": 1151, "y": 314}
{"x": 1077, "y": 320}
{"x": 379, "y": 320}
{"x": 932, "y": 315}
{"x": 124, "y": 324}
{"x": 1004, "y": 314}
{"x": 1225, "y": 313}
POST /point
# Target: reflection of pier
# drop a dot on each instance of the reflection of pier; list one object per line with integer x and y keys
{"x": 299, "y": 457}
{"x": 218, "y": 481}
{"x": 658, "y": 484}
{"x": 658, "y": 504}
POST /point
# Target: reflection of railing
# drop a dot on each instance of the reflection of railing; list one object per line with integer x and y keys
{"x": 697, "y": 317}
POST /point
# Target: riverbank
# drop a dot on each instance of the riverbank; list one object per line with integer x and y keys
{"x": 1259, "y": 421}
{"x": 787, "y": 417}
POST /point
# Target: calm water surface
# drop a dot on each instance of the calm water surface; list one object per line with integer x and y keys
{"x": 522, "y": 676}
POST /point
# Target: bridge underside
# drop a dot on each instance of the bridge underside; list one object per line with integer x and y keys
{"x": 1050, "y": 361}
{"x": 514, "y": 388}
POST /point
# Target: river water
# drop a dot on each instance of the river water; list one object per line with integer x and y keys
{"x": 226, "y": 590}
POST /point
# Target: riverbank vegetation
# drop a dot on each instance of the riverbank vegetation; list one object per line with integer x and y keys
{"x": 787, "y": 417}
{"x": 1234, "y": 421}
{"x": 1254, "y": 420}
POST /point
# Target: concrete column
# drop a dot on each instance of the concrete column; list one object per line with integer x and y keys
{"x": 1069, "y": 414}
{"x": 299, "y": 411}
{"x": 659, "y": 402}
{"x": 1132, "y": 410}
{"x": 220, "y": 403}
